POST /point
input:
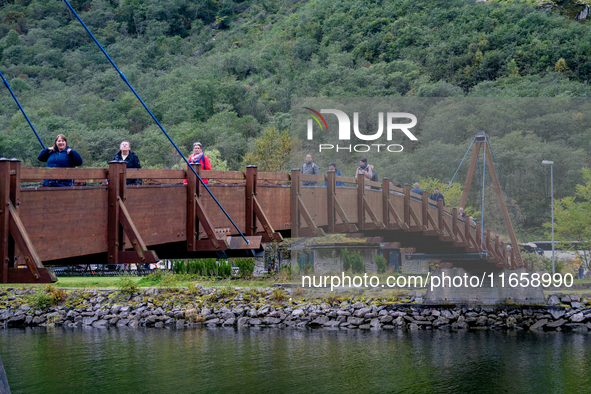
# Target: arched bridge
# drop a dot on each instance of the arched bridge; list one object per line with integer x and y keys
{"x": 113, "y": 223}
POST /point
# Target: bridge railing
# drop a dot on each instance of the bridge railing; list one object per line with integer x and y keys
{"x": 111, "y": 222}
{"x": 373, "y": 207}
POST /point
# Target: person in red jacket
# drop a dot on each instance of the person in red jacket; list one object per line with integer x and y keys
{"x": 199, "y": 157}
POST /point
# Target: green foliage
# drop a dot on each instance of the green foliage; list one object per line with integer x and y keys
{"x": 573, "y": 219}
{"x": 352, "y": 261}
{"x": 245, "y": 267}
{"x": 126, "y": 284}
{"x": 271, "y": 151}
{"x": 49, "y": 296}
{"x": 40, "y": 300}
{"x": 380, "y": 263}
{"x": 204, "y": 267}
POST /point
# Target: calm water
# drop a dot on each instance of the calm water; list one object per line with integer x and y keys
{"x": 297, "y": 361}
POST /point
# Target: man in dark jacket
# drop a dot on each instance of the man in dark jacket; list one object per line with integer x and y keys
{"x": 125, "y": 154}
{"x": 417, "y": 189}
{"x": 310, "y": 168}
{"x": 337, "y": 172}
{"x": 437, "y": 196}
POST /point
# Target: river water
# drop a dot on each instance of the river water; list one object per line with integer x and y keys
{"x": 58, "y": 360}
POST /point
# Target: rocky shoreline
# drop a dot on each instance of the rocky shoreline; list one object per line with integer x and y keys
{"x": 273, "y": 307}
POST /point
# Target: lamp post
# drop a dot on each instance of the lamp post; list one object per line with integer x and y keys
{"x": 551, "y": 164}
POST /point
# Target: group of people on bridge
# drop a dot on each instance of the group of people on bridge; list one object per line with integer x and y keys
{"x": 368, "y": 170}
{"x": 60, "y": 155}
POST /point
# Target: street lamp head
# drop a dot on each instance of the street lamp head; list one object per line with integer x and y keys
{"x": 547, "y": 162}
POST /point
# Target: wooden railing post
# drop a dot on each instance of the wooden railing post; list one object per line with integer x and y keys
{"x": 407, "y": 204}
{"x": 295, "y": 193}
{"x": 15, "y": 197}
{"x": 454, "y": 214}
{"x": 117, "y": 186}
{"x": 251, "y": 191}
{"x": 385, "y": 198}
{"x": 330, "y": 197}
{"x": 360, "y": 197}
{"x": 425, "y": 204}
{"x": 5, "y": 242}
{"x": 192, "y": 227}
{"x": 440, "y": 216}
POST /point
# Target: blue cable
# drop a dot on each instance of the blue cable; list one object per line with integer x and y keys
{"x": 453, "y": 177}
{"x": 507, "y": 194}
{"x": 155, "y": 120}
{"x": 21, "y": 108}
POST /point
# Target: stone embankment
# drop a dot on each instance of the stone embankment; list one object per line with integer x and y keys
{"x": 211, "y": 307}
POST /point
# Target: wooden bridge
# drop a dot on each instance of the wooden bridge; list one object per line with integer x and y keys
{"x": 114, "y": 223}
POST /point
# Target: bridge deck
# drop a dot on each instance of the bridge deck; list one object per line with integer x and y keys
{"x": 114, "y": 223}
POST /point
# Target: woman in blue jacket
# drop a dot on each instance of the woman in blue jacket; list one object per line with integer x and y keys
{"x": 60, "y": 155}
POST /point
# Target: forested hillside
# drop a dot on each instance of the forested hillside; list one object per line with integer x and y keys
{"x": 223, "y": 71}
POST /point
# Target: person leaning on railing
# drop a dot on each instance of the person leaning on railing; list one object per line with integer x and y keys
{"x": 60, "y": 155}
{"x": 199, "y": 157}
{"x": 125, "y": 154}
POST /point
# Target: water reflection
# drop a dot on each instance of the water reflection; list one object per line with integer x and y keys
{"x": 291, "y": 360}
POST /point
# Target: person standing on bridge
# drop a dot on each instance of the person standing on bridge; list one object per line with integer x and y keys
{"x": 125, "y": 154}
{"x": 437, "y": 196}
{"x": 310, "y": 168}
{"x": 199, "y": 157}
{"x": 337, "y": 172}
{"x": 367, "y": 170}
{"x": 461, "y": 213}
{"x": 60, "y": 155}
{"x": 417, "y": 189}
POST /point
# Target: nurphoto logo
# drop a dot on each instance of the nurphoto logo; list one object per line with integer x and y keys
{"x": 344, "y": 130}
